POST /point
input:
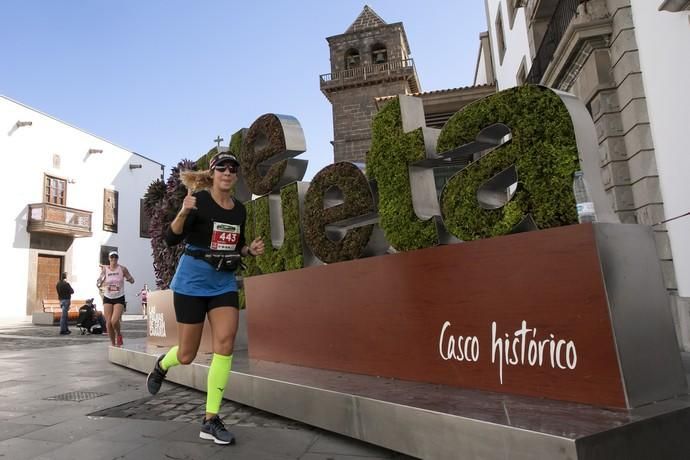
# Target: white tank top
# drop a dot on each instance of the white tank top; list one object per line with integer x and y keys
{"x": 114, "y": 282}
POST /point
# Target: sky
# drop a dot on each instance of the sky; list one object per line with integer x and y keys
{"x": 163, "y": 78}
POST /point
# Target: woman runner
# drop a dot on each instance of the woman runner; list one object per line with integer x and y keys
{"x": 211, "y": 222}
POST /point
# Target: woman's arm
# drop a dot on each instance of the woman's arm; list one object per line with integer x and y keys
{"x": 101, "y": 277}
{"x": 177, "y": 225}
{"x": 127, "y": 275}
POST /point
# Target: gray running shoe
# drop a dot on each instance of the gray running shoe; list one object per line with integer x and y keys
{"x": 214, "y": 429}
{"x": 156, "y": 377}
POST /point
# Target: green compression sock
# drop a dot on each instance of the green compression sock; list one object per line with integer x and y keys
{"x": 218, "y": 375}
{"x": 170, "y": 359}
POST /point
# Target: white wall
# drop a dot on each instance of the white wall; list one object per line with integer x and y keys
{"x": 28, "y": 154}
{"x": 663, "y": 40}
{"x": 516, "y": 42}
{"x": 480, "y": 76}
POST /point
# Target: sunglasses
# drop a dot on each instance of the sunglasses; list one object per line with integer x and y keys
{"x": 230, "y": 168}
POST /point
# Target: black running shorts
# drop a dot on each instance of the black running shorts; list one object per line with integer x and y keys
{"x": 192, "y": 309}
{"x": 120, "y": 300}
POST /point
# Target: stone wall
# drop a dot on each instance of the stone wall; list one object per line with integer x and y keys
{"x": 598, "y": 60}
{"x": 353, "y": 110}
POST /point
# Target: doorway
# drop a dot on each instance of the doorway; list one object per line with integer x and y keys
{"x": 48, "y": 275}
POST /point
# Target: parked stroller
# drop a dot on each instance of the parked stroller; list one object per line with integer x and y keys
{"x": 89, "y": 320}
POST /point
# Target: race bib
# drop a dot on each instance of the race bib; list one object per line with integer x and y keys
{"x": 225, "y": 236}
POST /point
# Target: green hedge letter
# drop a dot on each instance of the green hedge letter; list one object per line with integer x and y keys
{"x": 542, "y": 156}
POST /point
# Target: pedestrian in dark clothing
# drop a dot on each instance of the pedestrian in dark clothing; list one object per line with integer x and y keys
{"x": 64, "y": 292}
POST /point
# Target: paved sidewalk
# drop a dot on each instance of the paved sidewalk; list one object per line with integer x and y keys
{"x": 60, "y": 398}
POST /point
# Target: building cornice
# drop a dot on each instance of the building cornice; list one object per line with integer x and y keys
{"x": 596, "y": 32}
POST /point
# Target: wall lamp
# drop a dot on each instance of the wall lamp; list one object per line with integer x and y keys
{"x": 19, "y": 124}
{"x": 134, "y": 166}
{"x": 95, "y": 151}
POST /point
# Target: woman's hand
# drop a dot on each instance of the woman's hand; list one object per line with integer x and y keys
{"x": 189, "y": 203}
{"x": 177, "y": 225}
{"x": 256, "y": 247}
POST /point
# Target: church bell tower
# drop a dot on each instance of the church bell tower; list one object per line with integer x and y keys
{"x": 371, "y": 59}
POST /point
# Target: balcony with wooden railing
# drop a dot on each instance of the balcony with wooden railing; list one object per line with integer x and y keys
{"x": 371, "y": 73}
{"x": 60, "y": 220}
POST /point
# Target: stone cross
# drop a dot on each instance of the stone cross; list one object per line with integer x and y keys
{"x": 218, "y": 140}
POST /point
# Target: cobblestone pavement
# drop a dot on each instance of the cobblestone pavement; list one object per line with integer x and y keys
{"x": 182, "y": 404}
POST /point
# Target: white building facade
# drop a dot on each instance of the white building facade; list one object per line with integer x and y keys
{"x": 510, "y": 53}
{"x": 628, "y": 61}
{"x": 71, "y": 198}
{"x": 666, "y": 78}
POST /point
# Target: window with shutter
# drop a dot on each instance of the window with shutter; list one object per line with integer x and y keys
{"x": 110, "y": 210}
{"x": 55, "y": 190}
